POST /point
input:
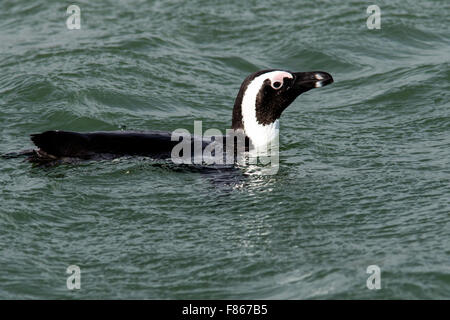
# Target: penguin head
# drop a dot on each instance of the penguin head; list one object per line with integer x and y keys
{"x": 265, "y": 94}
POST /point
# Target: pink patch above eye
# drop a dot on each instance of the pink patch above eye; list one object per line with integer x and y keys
{"x": 278, "y": 77}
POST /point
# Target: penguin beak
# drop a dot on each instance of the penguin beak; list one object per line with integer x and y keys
{"x": 304, "y": 81}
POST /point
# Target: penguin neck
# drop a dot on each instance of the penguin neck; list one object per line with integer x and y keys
{"x": 261, "y": 135}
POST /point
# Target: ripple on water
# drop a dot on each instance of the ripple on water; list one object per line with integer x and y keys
{"x": 363, "y": 175}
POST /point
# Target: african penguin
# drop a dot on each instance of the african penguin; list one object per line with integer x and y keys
{"x": 262, "y": 98}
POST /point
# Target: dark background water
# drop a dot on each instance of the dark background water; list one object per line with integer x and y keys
{"x": 365, "y": 163}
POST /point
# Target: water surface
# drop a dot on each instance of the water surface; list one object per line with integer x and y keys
{"x": 364, "y": 173}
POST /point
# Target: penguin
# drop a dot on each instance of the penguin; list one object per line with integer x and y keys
{"x": 262, "y": 98}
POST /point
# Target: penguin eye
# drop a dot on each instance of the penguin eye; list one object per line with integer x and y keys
{"x": 276, "y": 85}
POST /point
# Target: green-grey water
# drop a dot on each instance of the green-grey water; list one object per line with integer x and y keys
{"x": 364, "y": 174}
